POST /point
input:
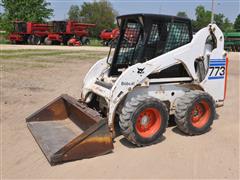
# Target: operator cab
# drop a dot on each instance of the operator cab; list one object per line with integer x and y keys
{"x": 146, "y": 36}
{"x": 20, "y": 26}
{"x": 59, "y": 26}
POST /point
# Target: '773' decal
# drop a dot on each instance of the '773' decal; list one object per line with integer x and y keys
{"x": 217, "y": 69}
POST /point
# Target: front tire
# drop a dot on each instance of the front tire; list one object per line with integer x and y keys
{"x": 36, "y": 40}
{"x": 85, "y": 41}
{"x": 47, "y": 41}
{"x": 195, "y": 112}
{"x": 29, "y": 39}
{"x": 143, "y": 120}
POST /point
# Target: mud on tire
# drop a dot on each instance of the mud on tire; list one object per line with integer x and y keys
{"x": 195, "y": 112}
{"x": 133, "y": 113}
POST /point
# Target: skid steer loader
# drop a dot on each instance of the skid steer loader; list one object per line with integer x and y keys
{"x": 157, "y": 69}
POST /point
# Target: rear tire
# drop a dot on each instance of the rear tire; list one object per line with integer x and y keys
{"x": 47, "y": 41}
{"x": 195, "y": 112}
{"x": 143, "y": 120}
{"x": 36, "y": 40}
{"x": 29, "y": 39}
{"x": 85, "y": 41}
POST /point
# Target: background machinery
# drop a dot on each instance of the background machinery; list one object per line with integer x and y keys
{"x": 107, "y": 35}
{"x": 158, "y": 69}
{"x": 232, "y": 41}
{"x": 65, "y": 31}
{"x": 28, "y": 33}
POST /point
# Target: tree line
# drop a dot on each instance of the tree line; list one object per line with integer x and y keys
{"x": 203, "y": 18}
{"x": 100, "y": 13}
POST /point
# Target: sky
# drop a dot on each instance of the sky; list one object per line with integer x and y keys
{"x": 230, "y": 8}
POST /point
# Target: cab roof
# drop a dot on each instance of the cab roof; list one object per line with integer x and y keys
{"x": 147, "y": 16}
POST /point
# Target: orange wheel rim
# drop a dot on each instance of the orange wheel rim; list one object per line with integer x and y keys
{"x": 148, "y": 122}
{"x": 200, "y": 114}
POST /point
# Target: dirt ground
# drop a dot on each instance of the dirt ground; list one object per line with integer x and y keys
{"x": 30, "y": 79}
{"x": 52, "y": 47}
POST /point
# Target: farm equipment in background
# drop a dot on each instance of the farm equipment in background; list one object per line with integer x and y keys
{"x": 66, "y": 31}
{"x": 158, "y": 69}
{"x": 74, "y": 42}
{"x": 232, "y": 41}
{"x": 28, "y": 33}
{"x": 107, "y": 35}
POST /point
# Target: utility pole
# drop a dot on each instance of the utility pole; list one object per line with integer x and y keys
{"x": 212, "y": 17}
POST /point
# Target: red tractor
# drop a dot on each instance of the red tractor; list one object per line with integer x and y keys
{"x": 68, "y": 33}
{"x": 28, "y": 33}
{"x": 108, "y": 35}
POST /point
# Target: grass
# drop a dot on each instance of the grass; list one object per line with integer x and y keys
{"x": 12, "y": 60}
{"x": 3, "y": 38}
{"x": 4, "y": 41}
{"x": 95, "y": 42}
{"x": 19, "y": 54}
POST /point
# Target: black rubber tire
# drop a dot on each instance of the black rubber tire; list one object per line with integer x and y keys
{"x": 105, "y": 43}
{"x": 47, "y": 41}
{"x": 85, "y": 41}
{"x": 36, "y": 40}
{"x": 131, "y": 111}
{"x": 29, "y": 39}
{"x": 184, "y": 107}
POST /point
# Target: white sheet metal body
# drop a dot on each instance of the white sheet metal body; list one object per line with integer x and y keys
{"x": 131, "y": 82}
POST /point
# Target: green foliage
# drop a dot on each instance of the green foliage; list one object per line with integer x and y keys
{"x": 74, "y": 13}
{"x": 100, "y": 13}
{"x": 227, "y": 26}
{"x": 5, "y": 24}
{"x": 3, "y": 37}
{"x": 182, "y": 14}
{"x": 203, "y": 18}
{"x": 95, "y": 42}
{"x": 237, "y": 24}
{"x": 25, "y": 10}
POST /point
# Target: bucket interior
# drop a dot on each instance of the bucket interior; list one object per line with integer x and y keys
{"x": 58, "y": 123}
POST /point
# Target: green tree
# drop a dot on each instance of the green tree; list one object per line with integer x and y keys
{"x": 25, "y": 10}
{"x": 74, "y": 13}
{"x": 227, "y": 25}
{"x": 237, "y": 24}
{"x": 100, "y": 13}
{"x": 182, "y": 14}
{"x": 203, "y": 18}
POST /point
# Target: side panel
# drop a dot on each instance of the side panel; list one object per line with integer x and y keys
{"x": 95, "y": 72}
{"x": 164, "y": 92}
{"x": 215, "y": 81}
{"x": 29, "y": 27}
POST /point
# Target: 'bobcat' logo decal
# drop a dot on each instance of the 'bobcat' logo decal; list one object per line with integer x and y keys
{"x": 140, "y": 70}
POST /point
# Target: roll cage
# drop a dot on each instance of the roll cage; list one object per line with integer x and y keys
{"x": 146, "y": 36}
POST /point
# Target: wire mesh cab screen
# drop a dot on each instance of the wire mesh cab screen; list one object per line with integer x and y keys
{"x": 59, "y": 26}
{"x": 141, "y": 41}
{"x": 164, "y": 37}
{"x": 178, "y": 35}
{"x": 130, "y": 44}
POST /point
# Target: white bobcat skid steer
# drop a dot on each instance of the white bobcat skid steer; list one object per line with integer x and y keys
{"x": 158, "y": 68}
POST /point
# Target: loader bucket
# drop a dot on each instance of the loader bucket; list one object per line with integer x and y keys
{"x": 66, "y": 130}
